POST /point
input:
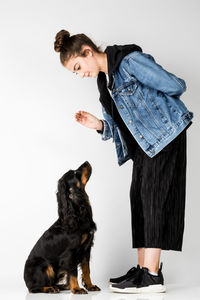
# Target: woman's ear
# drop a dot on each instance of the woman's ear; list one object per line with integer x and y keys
{"x": 86, "y": 50}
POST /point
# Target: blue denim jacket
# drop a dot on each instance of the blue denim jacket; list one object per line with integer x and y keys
{"x": 148, "y": 100}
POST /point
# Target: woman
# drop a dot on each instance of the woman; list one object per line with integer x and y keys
{"x": 147, "y": 120}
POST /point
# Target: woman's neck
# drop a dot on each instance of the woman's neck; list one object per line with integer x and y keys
{"x": 103, "y": 62}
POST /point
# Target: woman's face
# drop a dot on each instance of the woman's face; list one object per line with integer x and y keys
{"x": 84, "y": 66}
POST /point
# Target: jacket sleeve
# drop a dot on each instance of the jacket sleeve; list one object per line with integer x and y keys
{"x": 101, "y": 131}
{"x": 148, "y": 72}
{"x": 107, "y": 130}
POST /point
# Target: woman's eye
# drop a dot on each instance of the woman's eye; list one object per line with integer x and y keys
{"x": 77, "y": 69}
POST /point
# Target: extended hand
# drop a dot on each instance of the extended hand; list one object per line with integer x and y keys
{"x": 88, "y": 120}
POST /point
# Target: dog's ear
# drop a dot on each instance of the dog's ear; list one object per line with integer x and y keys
{"x": 71, "y": 193}
{"x": 62, "y": 199}
{"x": 65, "y": 207}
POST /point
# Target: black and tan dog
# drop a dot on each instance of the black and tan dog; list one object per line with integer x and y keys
{"x": 53, "y": 262}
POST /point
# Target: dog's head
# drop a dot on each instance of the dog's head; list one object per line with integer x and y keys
{"x": 74, "y": 181}
{"x": 71, "y": 190}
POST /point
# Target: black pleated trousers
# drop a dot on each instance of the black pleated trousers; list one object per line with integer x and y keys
{"x": 157, "y": 196}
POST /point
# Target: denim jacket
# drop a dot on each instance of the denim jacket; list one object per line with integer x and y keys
{"x": 148, "y": 100}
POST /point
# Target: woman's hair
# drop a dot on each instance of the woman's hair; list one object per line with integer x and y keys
{"x": 69, "y": 46}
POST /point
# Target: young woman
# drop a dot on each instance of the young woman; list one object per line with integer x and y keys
{"x": 147, "y": 121}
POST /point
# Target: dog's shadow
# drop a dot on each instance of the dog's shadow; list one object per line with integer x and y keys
{"x": 43, "y": 296}
{"x": 63, "y": 295}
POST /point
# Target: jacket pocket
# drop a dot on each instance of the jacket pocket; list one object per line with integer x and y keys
{"x": 127, "y": 89}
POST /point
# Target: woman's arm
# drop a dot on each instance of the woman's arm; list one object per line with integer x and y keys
{"x": 148, "y": 72}
{"x": 103, "y": 126}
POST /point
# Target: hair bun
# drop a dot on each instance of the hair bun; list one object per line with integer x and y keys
{"x": 61, "y": 37}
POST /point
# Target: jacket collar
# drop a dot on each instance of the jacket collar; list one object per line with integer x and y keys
{"x": 115, "y": 54}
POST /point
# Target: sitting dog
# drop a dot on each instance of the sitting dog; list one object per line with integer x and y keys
{"x": 52, "y": 264}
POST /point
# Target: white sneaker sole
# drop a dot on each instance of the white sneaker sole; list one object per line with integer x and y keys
{"x": 155, "y": 288}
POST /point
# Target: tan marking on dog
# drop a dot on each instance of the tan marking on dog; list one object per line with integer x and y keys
{"x": 86, "y": 274}
{"x": 46, "y": 289}
{"x": 84, "y": 238}
{"x": 78, "y": 184}
{"x": 86, "y": 281}
{"x": 74, "y": 286}
{"x": 50, "y": 272}
{"x": 84, "y": 176}
{"x": 73, "y": 282}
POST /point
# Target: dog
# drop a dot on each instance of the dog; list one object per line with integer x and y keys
{"x": 52, "y": 263}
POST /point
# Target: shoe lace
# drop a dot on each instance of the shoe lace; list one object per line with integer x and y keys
{"x": 131, "y": 270}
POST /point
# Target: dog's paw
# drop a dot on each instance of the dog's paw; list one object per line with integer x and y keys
{"x": 63, "y": 287}
{"x": 79, "y": 291}
{"x": 52, "y": 290}
{"x": 93, "y": 288}
{"x": 56, "y": 289}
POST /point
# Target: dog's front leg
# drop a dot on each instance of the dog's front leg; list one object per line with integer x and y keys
{"x": 86, "y": 277}
{"x": 68, "y": 264}
{"x": 73, "y": 283}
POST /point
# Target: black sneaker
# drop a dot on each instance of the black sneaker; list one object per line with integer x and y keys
{"x": 130, "y": 273}
{"x": 143, "y": 282}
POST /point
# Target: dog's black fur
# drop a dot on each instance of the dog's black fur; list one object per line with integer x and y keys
{"x": 53, "y": 262}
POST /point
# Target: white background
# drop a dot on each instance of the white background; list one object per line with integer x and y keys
{"x": 40, "y": 139}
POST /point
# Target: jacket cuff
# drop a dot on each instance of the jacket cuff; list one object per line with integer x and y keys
{"x": 101, "y": 131}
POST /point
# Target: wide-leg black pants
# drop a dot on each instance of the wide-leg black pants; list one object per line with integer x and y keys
{"x": 157, "y": 196}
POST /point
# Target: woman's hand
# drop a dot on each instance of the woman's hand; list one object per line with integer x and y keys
{"x": 88, "y": 120}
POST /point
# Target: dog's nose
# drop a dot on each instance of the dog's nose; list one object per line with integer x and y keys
{"x": 85, "y": 164}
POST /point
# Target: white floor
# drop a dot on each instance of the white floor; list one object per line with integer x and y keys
{"x": 174, "y": 292}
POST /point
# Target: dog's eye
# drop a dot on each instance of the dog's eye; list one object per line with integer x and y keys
{"x": 78, "y": 174}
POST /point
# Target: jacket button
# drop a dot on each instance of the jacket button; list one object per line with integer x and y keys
{"x": 130, "y": 121}
{"x": 141, "y": 136}
{"x": 153, "y": 151}
{"x": 121, "y": 106}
